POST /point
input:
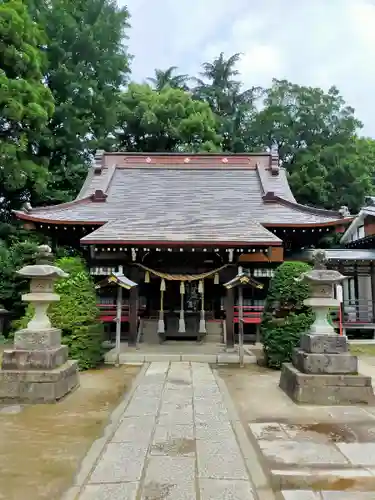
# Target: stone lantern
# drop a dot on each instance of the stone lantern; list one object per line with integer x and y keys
{"x": 323, "y": 371}
{"x": 321, "y": 281}
{"x": 37, "y": 369}
{"x": 43, "y": 275}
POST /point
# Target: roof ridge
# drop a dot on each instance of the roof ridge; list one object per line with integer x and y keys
{"x": 271, "y": 197}
{"x": 66, "y": 204}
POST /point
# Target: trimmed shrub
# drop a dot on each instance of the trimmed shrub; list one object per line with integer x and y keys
{"x": 285, "y": 316}
{"x": 76, "y": 314}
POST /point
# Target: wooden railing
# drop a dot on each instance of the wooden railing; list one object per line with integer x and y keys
{"x": 108, "y": 312}
{"x": 358, "y": 311}
{"x": 251, "y": 314}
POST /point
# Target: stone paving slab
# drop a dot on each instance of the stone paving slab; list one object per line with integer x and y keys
{"x": 118, "y": 491}
{"x": 355, "y": 479}
{"x": 174, "y": 441}
{"x": 327, "y": 495}
{"x": 224, "y": 489}
{"x": 220, "y": 459}
{"x": 121, "y": 462}
{"x": 299, "y": 453}
{"x": 135, "y": 429}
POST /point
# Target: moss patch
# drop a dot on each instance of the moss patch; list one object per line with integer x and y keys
{"x": 42, "y": 446}
{"x": 363, "y": 349}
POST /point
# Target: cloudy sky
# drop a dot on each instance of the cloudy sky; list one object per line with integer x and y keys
{"x": 313, "y": 42}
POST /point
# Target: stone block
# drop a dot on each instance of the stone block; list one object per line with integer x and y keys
{"x": 151, "y": 357}
{"x": 110, "y": 491}
{"x": 359, "y": 454}
{"x": 120, "y": 462}
{"x": 229, "y": 357}
{"x": 221, "y": 489}
{"x": 289, "y": 453}
{"x": 325, "y": 389}
{"x": 220, "y": 459}
{"x": 29, "y": 339}
{"x": 171, "y": 478}
{"x": 327, "y": 344}
{"x": 38, "y": 386}
{"x": 129, "y": 357}
{"x": 47, "y": 359}
{"x": 199, "y": 358}
{"x": 325, "y": 363}
{"x": 313, "y": 478}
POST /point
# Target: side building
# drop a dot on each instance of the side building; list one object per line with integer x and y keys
{"x": 179, "y": 226}
{"x": 357, "y": 261}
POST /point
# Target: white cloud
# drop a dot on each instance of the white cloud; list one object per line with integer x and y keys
{"x": 315, "y": 42}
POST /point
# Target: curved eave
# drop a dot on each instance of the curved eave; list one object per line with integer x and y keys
{"x": 183, "y": 243}
{"x": 34, "y": 218}
{"x": 336, "y": 222}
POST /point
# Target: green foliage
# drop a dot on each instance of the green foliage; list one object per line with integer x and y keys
{"x": 296, "y": 117}
{"x": 285, "y": 316}
{"x": 165, "y": 120}
{"x": 88, "y": 64}
{"x": 13, "y": 258}
{"x": 26, "y": 105}
{"x": 76, "y": 314}
{"x": 335, "y": 175}
{"x": 282, "y": 336}
{"x": 167, "y": 78}
{"x": 233, "y": 106}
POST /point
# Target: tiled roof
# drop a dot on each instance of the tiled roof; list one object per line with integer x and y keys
{"x": 343, "y": 254}
{"x": 168, "y": 197}
{"x": 181, "y": 228}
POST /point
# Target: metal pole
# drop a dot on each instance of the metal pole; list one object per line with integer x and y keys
{"x": 118, "y": 324}
{"x": 240, "y": 326}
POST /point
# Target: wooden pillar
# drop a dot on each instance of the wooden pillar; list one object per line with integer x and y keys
{"x": 373, "y": 290}
{"x": 356, "y": 292}
{"x": 133, "y": 316}
{"x": 118, "y": 323}
{"x": 229, "y": 316}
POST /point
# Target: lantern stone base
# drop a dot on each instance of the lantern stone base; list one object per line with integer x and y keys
{"x": 38, "y": 386}
{"x": 38, "y": 359}
{"x": 37, "y": 369}
{"x": 323, "y": 372}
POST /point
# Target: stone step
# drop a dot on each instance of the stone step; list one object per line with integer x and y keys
{"x": 357, "y": 479}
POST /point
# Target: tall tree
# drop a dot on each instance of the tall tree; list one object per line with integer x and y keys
{"x": 233, "y": 106}
{"x": 26, "y": 105}
{"x": 167, "y": 77}
{"x": 335, "y": 175}
{"x": 295, "y": 117}
{"x": 169, "y": 120}
{"x": 88, "y": 65}
{"x": 216, "y": 83}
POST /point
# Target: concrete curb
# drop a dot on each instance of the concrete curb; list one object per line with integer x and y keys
{"x": 97, "y": 448}
{"x": 259, "y": 479}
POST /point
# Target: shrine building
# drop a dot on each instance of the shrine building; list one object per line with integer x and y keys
{"x": 172, "y": 229}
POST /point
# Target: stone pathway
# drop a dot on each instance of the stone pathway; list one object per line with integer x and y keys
{"x": 174, "y": 441}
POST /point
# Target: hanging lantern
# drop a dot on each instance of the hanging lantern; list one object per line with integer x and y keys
{"x": 200, "y": 287}
{"x": 182, "y": 288}
{"x": 162, "y": 285}
{"x": 147, "y": 277}
{"x": 216, "y": 279}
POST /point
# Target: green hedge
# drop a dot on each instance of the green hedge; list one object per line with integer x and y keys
{"x": 76, "y": 314}
{"x": 285, "y": 316}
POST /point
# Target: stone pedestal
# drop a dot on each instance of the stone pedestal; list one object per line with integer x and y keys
{"x": 37, "y": 369}
{"x": 323, "y": 372}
